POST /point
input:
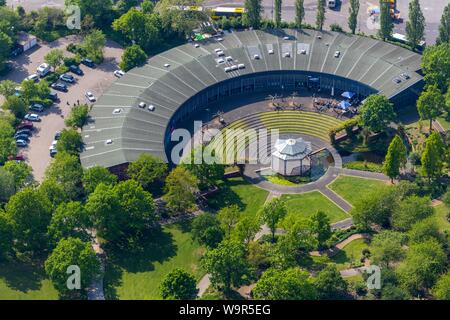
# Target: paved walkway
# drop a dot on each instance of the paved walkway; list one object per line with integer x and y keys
{"x": 95, "y": 291}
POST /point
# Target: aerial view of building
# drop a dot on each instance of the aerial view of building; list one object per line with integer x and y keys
{"x": 254, "y": 150}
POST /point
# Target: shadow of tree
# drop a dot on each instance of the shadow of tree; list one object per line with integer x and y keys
{"x": 20, "y": 276}
{"x": 226, "y": 196}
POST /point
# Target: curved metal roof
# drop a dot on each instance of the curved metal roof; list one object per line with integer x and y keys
{"x": 119, "y": 131}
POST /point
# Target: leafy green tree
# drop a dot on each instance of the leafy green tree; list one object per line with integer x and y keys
{"x": 228, "y": 218}
{"x": 246, "y": 229}
{"x": 290, "y": 284}
{"x": 299, "y": 12}
{"x": 444, "y": 27}
{"x": 133, "y": 56}
{"x": 68, "y": 252}
{"x": 376, "y": 113}
{"x": 7, "y": 148}
{"x": 21, "y": 172}
{"x": 6, "y": 129}
{"x": 54, "y": 191}
{"x": 430, "y": 104}
{"x": 147, "y": 6}
{"x": 16, "y": 105}
{"x": 272, "y": 213}
{"x": 393, "y": 292}
{"x": 387, "y": 248}
{"x": 415, "y": 26}
{"x": 148, "y": 170}
{"x": 29, "y": 214}
{"x": 423, "y": 264}
{"x": 320, "y": 226}
{"x": 6, "y": 235}
{"x": 54, "y": 58}
{"x": 395, "y": 158}
{"x": 409, "y": 211}
{"x": 330, "y": 285}
{"x": 100, "y": 10}
{"x": 227, "y": 265}
{"x": 277, "y": 13}
{"x": 70, "y": 142}
{"x": 353, "y": 11}
{"x": 95, "y": 175}
{"x": 424, "y": 230}
{"x": 442, "y": 288}
{"x": 66, "y": 170}
{"x": 180, "y": 189}
{"x": 94, "y": 43}
{"x": 206, "y": 230}
{"x": 122, "y": 6}
{"x": 386, "y": 23}
{"x": 436, "y": 65}
{"x": 5, "y": 48}
{"x": 69, "y": 220}
{"x": 433, "y": 157}
{"x": 320, "y": 14}
{"x": 254, "y": 10}
{"x": 178, "y": 285}
{"x": 78, "y": 116}
{"x": 7, "y": 185}
{"x": 7, "y": 88}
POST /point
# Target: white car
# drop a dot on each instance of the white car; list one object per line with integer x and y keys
{"x": 53, "y": 145}
{"x": 286, "y": 38}
{"x": 270, "y": 51}
{"x": 256, "y": 56}
{"x": 34, "y": 77}
{"x": 119, "y": 73}
{"x": 90, "y": 96}
{"x": 32, "y": 117}
{"x": 337, "y": 54}
{"x": 303, "y": 51}
{"x": 151, "y": 107}
{"x": 166, "y": 65}
{"x": 142, "y": 105}
{"x": 43, "y": 70}
{"x": 196, "y": 45}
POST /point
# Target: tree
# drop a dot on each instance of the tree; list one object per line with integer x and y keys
{"x": 6, "y": 236}
{"x": 320, "y": 15}
{"x": 7, "y": 88}
{"x": 16, "y": 105}
{"x": 94, "y": 43}
{"x": 410, "y": 210}
{"x": 147, "y": 6}
{"x": 430, "y": 104}
{"x": 206, "y": 230}
{"x": 78, "y": 116}
{"x": 54, "y": 58}
{"x": 329, "y": 284}
{"x": 95, "y": 175}
{"x": 376, "y": 113}
{"x": 228, "y": 218}
{"x": 395, "y": 158}
{"x": 436, "y": 65}
{"x": 7, "y": 185}
{"x": 272, "y": 213}
{"x": 444, "y": 27}
{"x": 290, "y": 284}
{"x": 254, "y": 10}
{"x": 277, "y": 13}
{"x": 53, "y": 191}
{"x": 425, "y": 230}
{"x": 433, "y": 156}
{"x": 7, "y": 148}
{"x": 423, "y": 264}
{"x": 5, "y": 49}
{"x": 179, "y": 285}
{"x": 148, "y": 170}
{"x": 20, "y": 171}
{"x": 122, "y": 6}
{"x": 66, "y": 170}
{"x": 180, "y": 189}
{"x": 100, "y": 10}
{"x": 227, "y": 265}
{"x": 299, "y": 12}
{"x": 415, "y": 26}
{"x": 442, "y": 288}
{"x": 387, "y": 248}
{"x": 70, "y": 142}
{"x": 353, "y": 11}
{"x": 29, "y": 214}
{"x": 69, "y": 252}
{"x": 69, "y": 220}
{"x": 320, "y": 226}
{"x": 386, "y": 24}
{"x": 246, "y": 229}
{"x": 132, "y": 56}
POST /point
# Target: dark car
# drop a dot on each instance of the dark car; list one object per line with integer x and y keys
{"x": 23, "y": 137}
{"x": 24, "y": 131}
{"x": 25, "y": 125}
{"x": 67, "y": 78}
{"x": 60, "y": 87}
{"x": 53, "y": 96}
{"x": 21, "y": 143}
{"x": 18, "y": 157}
{"x": 57, "y": 135}
{"x": 19, "y": 135}
{"x": 76, "y": 69}
{"x": 88, "y": 62}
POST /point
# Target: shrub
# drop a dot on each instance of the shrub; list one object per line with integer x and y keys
{"x": 335, "y": 27}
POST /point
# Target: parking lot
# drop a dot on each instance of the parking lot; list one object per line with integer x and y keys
{"x": 95, "y": 80}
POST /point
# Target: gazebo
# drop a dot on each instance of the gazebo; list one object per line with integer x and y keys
{"x": 291, "y": 157}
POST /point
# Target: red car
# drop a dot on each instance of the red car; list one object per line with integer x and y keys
{"x": 18, "y": 157}
{"x": 25, "y": 125}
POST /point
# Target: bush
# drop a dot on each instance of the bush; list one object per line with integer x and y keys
{"x": 69, "y": 61}
{"x": 364, "y": 166}
{"x": 335, "y": 27}
{"x": 446, "y": 197}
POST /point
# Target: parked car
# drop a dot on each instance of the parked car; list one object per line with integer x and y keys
{"x": 23, "y": 137}
{"x": 43, "y": 70}
{"x": 59, "y": 87}
{"x": 90, "y": 96}
{"x": 119, "y": 73}
{"x": 25, "y": 125}
{"x": 88, "y": 62}
{"x": 18, "y": 157}
{"x": 76, "y": 69}
{"x": 53, "y": 96}
{"x": 33, "y": 77}
{"x": 21, "y": 143}
{"x": 57, "y": 135}
{"x": 37, "y": 107}
{"x": 32, "y": 117}
{"x": 24, "y": 131}
{"x": 53, "y": 152}
{"x": 67, "y": 78}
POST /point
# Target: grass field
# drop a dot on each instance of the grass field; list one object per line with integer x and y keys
{"x": 20, "y": 282}
{"x": 445, "y": 123}
{"x": 138, "y": 276}
{"x": 351, "y": 188}
{"x": 309, "y": 203}
{"x": 237, "y": 191}
{"x": 350, "y": 254}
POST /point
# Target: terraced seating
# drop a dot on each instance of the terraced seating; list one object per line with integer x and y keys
{"x": 309, "y": 123}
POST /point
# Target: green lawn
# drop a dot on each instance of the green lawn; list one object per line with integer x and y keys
{"x": 445, "y": 123}
{"x": 441, "y": 213}
{"x": 309, "y": 203}
{"x": 350, "y": 255}
{"x": 21, "y": 282}
{"x": 237, "y": 191}
{"x": 138, "y": 276}
{"x": 351, "y": 188}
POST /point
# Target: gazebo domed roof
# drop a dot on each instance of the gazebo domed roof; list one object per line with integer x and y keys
{"x": 292, "y": 149}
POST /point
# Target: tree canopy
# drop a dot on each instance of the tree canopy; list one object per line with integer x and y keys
{"x": 179, "y": 285}
{"x": 376, "y": 113}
